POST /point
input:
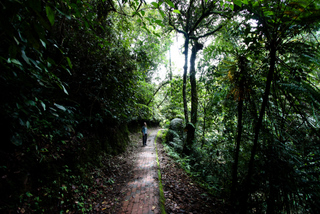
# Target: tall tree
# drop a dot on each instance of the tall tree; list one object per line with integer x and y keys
{"x": 195, "y": 20}
{"x": 279, "y": 22}
{"x": 273, "y": 153}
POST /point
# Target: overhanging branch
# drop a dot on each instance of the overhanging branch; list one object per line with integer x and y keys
{"x": 207, "y": 34}
{"x": 160, "y": 86}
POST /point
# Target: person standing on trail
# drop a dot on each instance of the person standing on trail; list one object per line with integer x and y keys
{"x": 144, "y": 133}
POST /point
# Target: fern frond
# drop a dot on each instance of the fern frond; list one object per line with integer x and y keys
{"x": 310, "y": 94}
{"x": 176, "y": 146}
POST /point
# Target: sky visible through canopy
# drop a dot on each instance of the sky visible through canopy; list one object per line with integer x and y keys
{"x": 177, "y": 58}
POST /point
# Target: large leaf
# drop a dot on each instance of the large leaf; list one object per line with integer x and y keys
{"x": 155, "y": 4}
{"x": 169, "y": 3}
{"x": 176, "y": 11}
{"x": 69, "y": 62}
{"x": 237, "y": 2}
{"x": 14, "y": 61}
{"x": 159, "y": 22}
{"x": 245, "y": 1}
{"x": 50, "y": 14}
{"x": 24, "y": 56}
{"x": 162, "y": 14}
{"x": 60, "y": 107}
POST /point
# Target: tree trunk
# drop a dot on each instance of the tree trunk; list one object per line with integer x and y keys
{"x": 193, "y": 82}
{"x": 271, "y": 173}
{"x": 244, "y": 202}
{"x": 239, "y": 130}
{"x": 204, "y": 125}
{"x": 184, "y": 93}
{"x": 194, "y": 97}
{"x": 170, "y": 73}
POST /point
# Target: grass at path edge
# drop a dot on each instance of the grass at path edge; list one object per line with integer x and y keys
{"x": 162, "y": 198}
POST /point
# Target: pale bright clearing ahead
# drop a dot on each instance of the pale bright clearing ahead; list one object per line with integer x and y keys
{"x": 177, "y": 59}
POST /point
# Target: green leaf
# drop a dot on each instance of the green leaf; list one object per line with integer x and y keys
{"x": 245, "y": 1}
{"x": 159, "y": 22}
{"x": 268, "y": 13}
{"x": 237, "y": 2}
{"x": 69, "y": 62}
{"x": 86, "y": 24}
{"x": 43, "y": 44}
{"x": 15, "y": 39}
{"x": 43, "y": 105}
{"x": 50, "y": 14}
{"x": 134, "y": 13}
{"x": 162, "y": 14}
{"x": 64, "y": 89}
{"x": 60, "y": 107}
{"x": 157, "y": 34}
{"x": 176, "y": 11}
{"x": 169, "y": 3}
{"x": 30, "y": 103}
{"x": 144, "y": 27}
{"x": 24, "y": 56}
{"x": 155, "y": 4}
{"x": 29, "y": 194}
{"x": 28, "y": 124}
{"x": 68, "y": 71}
{"x": 14, "y": 61}
{"x": 67, "y": 16}
{"x": 142, "y": 12}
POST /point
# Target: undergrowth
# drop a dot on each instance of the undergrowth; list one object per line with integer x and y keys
{"x": 201, "y": 166}
{"x": 162, "y": 198}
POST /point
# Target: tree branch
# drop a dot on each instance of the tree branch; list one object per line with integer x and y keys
{"x": 174, "y": 27}
{"x": 165, "y": 97}
{"x": 122, "y": 11}
{"x": 160, "y": 86}
{"x": 207, "y": 34}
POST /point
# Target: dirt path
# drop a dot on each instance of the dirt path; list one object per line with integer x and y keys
{"x": 142, "y": 191}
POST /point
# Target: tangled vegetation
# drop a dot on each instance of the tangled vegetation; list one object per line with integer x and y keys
{"x": 78, "y": 75}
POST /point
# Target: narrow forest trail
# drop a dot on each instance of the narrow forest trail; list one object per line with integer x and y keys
{"x": 142, "y": 191}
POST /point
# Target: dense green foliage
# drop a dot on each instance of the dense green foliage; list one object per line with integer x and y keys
{"x": 77, "y": 74}
{"x": 73, "y": 75}
{"x": 257, "y": 139}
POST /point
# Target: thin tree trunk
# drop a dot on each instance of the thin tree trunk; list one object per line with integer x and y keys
{"x": 204, "y": 126}
{"x": 193, "y": 81}
{"x": 271, "y": 199}
{"x": 170, "y": 73}
{"x": 194, "y": 96}
{"x": 236, "y": 155}
{"x": 239, "y": 130}
{"x": 258, "y": 127}
{"x": 154, "y": 93}
{"x": 184, "y": 93}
